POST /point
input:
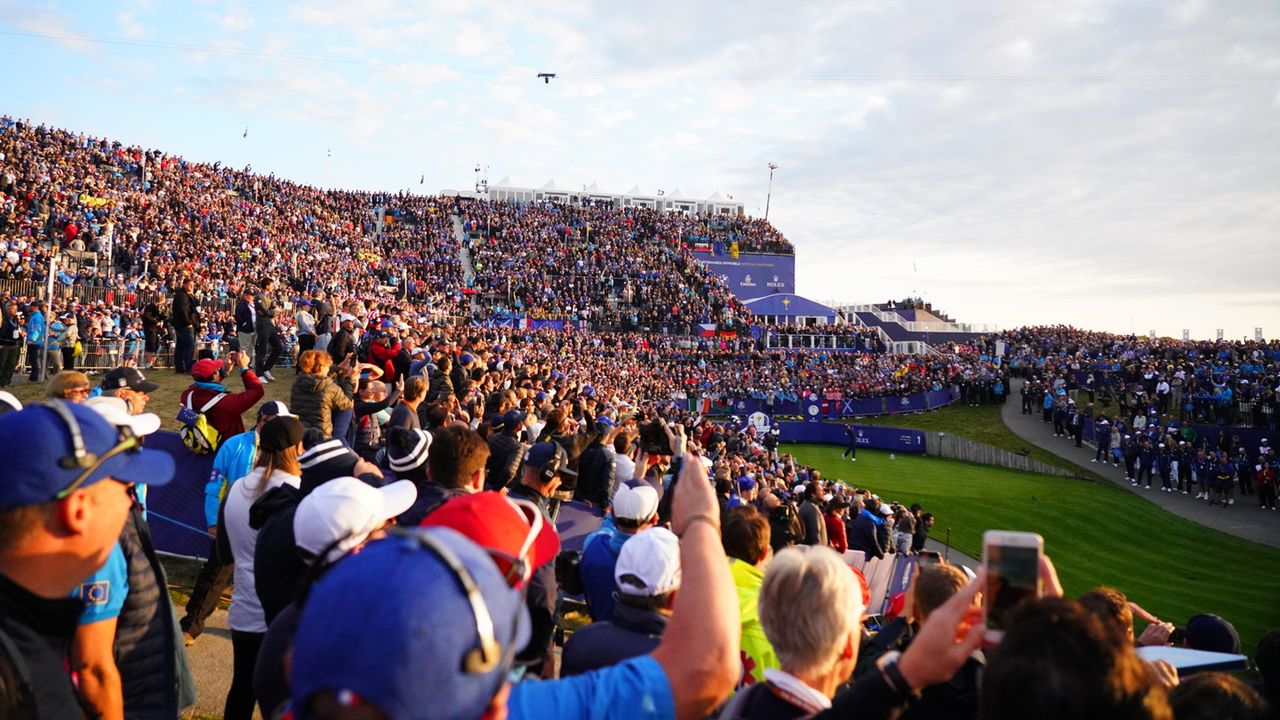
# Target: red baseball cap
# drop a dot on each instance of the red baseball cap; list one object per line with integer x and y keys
{"x": 517, "y": 536}
{"x": 206, "y": 368}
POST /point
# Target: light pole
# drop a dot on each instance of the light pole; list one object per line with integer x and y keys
{"x": 769, "y": 195}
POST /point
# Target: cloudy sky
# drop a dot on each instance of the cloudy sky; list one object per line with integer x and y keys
{"x": 1113, "y": 165}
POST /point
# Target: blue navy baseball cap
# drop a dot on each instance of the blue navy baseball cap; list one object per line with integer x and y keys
{"x": 543, "y": 453}
{"x": 42, "y": 463}
{"x": 396, "y": 627}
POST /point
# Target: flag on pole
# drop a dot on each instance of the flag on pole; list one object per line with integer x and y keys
{"x": 246, "y": 132}
{"x": 422, "y": 179}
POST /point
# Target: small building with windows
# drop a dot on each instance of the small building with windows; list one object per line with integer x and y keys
{"x": 676, "y": 201}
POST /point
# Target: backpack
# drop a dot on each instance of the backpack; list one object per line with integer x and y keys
{"x": 197, "y": 434}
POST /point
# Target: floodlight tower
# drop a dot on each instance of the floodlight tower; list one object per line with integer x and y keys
{"x": 769, "y": 195}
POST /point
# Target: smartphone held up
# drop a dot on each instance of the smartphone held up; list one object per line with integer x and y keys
{"x": 1012, "y": 564}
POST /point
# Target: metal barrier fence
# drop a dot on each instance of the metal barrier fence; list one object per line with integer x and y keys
{"x": 957, "y": 448}
{"x": 85, "y": 294}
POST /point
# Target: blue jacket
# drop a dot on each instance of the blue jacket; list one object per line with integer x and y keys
{"x": 234, "y": 460}
{"x": 35, "y": 328}
{"x": 599, "y": 557}
{"x": 632, "y": 632}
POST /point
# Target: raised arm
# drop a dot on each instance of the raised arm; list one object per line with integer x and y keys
{"x": 699, "y": 649}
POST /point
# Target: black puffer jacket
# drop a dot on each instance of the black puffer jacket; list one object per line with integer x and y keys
{"x": 145, "y": 637}
{"x": 505, "y": 455}
{"x": 597, "y": 475}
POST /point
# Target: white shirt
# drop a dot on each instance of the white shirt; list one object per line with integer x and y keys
{"x": 626, "y": 468}
{"x": 246, "y": 613}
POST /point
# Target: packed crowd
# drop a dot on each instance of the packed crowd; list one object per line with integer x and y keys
{"x": 623, "y": 268}
{"x": 390, "y": 535}
{"x": 1228, "y": 382}
{"x": 1155, "y": 446}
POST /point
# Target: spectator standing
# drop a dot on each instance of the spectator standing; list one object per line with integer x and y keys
{"x": 834, "y": 519}
{"x": 279, "y": 444}
{"x": 184, "y": 316}
{"x": 506, "y": 452}
{"x": 315, "y": 396}
{"x": 647, "y": 576}
{"x": 815, "y": 528}
{"x": 234, "y": 459}
{"x": 36, "y": 330}
{"x": 923, "y": 523}
{"x": 268, "y": 343}
{"x": 58, "y": 523}
{"x": 225, "y": 415}
{"x": 598, "y": 466}
{"x": 869, "y": 533}
{"x": 246, "y": 317}
{"x": 67, "y": 337}
{"x": 10, "y": 341}
{"x": 305, "y": 324}
{"x": 324, "y": 315}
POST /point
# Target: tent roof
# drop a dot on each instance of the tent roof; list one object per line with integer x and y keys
{"x": 788, "y": 304}
{"x": 504, "y": 182}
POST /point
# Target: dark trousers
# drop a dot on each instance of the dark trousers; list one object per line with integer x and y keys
{"x": 305, "y": 343}
{"x": 213, "y": 579}
{"x": 184, "y": 350}
{"x": 1103, "y": 452}
{"x": 68, "y": 358}
{"x": 8, "y": 363}
{"x": 268, "y": 351}
{"x": 851, "y": 451}
{"x": 34, "y": 353}
{"x": 241, "y": 698}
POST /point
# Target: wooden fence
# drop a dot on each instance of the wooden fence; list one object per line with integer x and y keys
{"x": 957, "y": 448}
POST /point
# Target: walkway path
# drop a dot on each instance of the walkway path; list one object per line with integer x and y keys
{"x": 1244, "y": 519}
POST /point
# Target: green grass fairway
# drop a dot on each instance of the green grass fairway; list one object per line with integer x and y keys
{"x": 1096, "y": 533}
{"x": 982, "y": 424}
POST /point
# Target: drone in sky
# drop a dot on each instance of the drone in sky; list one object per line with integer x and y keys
{"x": 546, "y": 77}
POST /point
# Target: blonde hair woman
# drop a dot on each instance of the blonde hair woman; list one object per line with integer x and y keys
{"x": 315, "y": 395}
{"x": 69, "y": 385}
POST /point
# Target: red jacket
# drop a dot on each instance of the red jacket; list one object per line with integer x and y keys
{"x": 835, "y": 533}
{"x": 225, "y": 416}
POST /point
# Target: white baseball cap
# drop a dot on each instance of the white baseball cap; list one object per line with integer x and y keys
{"x": 635, "y": 503}
{"x": 116, "y": 411}
{"x": 341, "y": 514}
{"x": 649, "y": 564}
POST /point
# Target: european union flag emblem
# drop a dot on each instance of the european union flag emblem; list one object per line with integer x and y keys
{"x": 97, "y": 593}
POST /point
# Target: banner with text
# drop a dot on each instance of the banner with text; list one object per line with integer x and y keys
{"x": 752, "y": 276}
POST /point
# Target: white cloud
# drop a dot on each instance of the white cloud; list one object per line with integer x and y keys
{"x": 129, "y": 25}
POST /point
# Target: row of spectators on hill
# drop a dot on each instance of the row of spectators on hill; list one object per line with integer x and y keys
{"x": 1228, "y": 382}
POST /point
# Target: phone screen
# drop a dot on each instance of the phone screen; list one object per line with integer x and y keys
{"x": 1013, "y": 575}
{"x": 928, "y": 558}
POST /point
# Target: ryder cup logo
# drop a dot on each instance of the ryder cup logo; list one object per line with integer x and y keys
{"x": 905, "y": 402}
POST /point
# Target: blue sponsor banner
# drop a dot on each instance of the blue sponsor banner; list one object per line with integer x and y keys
{"x": 752, "y": 275}
{"x": 816, "y": 410}
{"x": 874, "y": 438}
{"x": 175, "y": 510}
{"x": 907, "y": 403}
